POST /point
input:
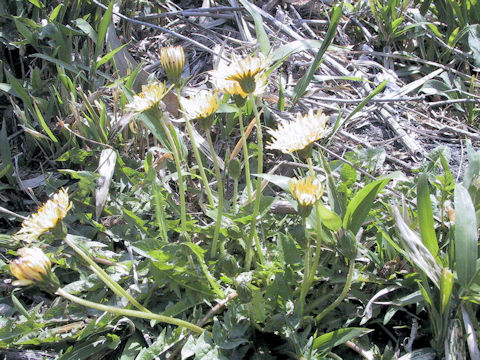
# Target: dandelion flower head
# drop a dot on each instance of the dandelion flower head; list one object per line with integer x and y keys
{"x": 203, "y": 105}
{"x": 306, "y": 191}
{"x": 46, "y": 217}
{"x": 31, "y": 266}
{"x": 244, "y": 76}
{"x": 148, "y": 98}
{"x": 299, "y": 134}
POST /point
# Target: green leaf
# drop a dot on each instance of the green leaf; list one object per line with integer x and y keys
{"x": 87, "y": 29}
{"x": 42, "y": 122}
{"x": 103, "y": 27}
{"x": 329, "y": 340}
{"x": 293, "y": 47}
{"x": 37, "y": 3}
{"x": 262, "y": 36}
{"x": 108, "y": 56}
{"x": 425, "y": 218}
{"x": 302, "y": 84}
{"x": 54, "y": 14}
{"x": 466, "y": 236}
{"x": 474, "y": 42}
{"x": 359, "y": 206}
{"x": 7, "y": 164}
{"x": 331, "y": 220}
{"x": 360, "y": 106}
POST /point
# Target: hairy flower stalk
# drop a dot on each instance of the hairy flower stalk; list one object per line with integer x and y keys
{"x": 47, "y": 217}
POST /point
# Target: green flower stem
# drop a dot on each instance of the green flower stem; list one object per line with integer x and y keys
{"x": 196, "y": 153}
{"x": 112, "y": 284}
{"x": 128, "y": 312}
{"x": 198, "y": 158}
{"x": 310, "y": 166}
{"x": 306, "y": 273}
{"x": 318, "y": 250}
{"x": 235, "y": 196}
{"x": 218, "y": 175}
{"x": 342, "y": 296}
{"x": 245, "y": 158}
{"x": 258, "y": 193}
{"x": 176, "y": 156}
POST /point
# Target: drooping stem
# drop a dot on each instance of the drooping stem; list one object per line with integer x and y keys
{"x": 342, "y": 295}
{"x": 128, "y": 312}
{"x": 220, "y": 194}
{"x": 245, "y": 158}
{"x": 112, "y": 284}
{"x": 258, "y": 191}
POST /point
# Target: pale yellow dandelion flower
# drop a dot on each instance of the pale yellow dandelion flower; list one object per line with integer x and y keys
{"x": 299, "y": 134}
{"x": 148, "y": 98}
{"x": 306, "y": 191}
{"x": 244, "y": 75}
{"x": 200, "y": 106}
{"x": 46, "y": 217}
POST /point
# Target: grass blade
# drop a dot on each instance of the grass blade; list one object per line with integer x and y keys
{"x": 302, "y": 84}
{"x": 465, "y": 236}
{"x": 360, "y": 205}
{"x": 425, "y": 218}
{"x": 262, "y": 36}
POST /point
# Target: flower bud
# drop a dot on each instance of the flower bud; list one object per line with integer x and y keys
{"x": 172, "y": 59}
{"x": 33, "y": 267}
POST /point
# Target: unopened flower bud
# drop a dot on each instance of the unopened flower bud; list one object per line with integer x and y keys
{"x": 33, "y": 267}
{"x": 172, "y": 59}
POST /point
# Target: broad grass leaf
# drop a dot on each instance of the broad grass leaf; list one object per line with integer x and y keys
{"x": 103, "y": 27}
{"x": 360, "y": 205}
{"x": 262, "y": 36}
{"x": 425, "y": 218}
{"x": 331, "y": 220}
{"x": 474, "y": 42}
{"x": 303, "y": 83}
{"x": 329, "y": 340}
{"x": 106, "y": 168}
{"x": 466, "y": 236}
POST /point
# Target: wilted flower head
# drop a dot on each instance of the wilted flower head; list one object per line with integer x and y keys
{"x": 200, "y": 106}
{"x": 306, "y": 191}
{"x": 172, "y": 59}
{"x": 299, "y": 134}
{"x": 148, "y": 98}
{"x": 46, "y": 217}
{"x": 243, "y": 76}
{"x": 33, "y": 267}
